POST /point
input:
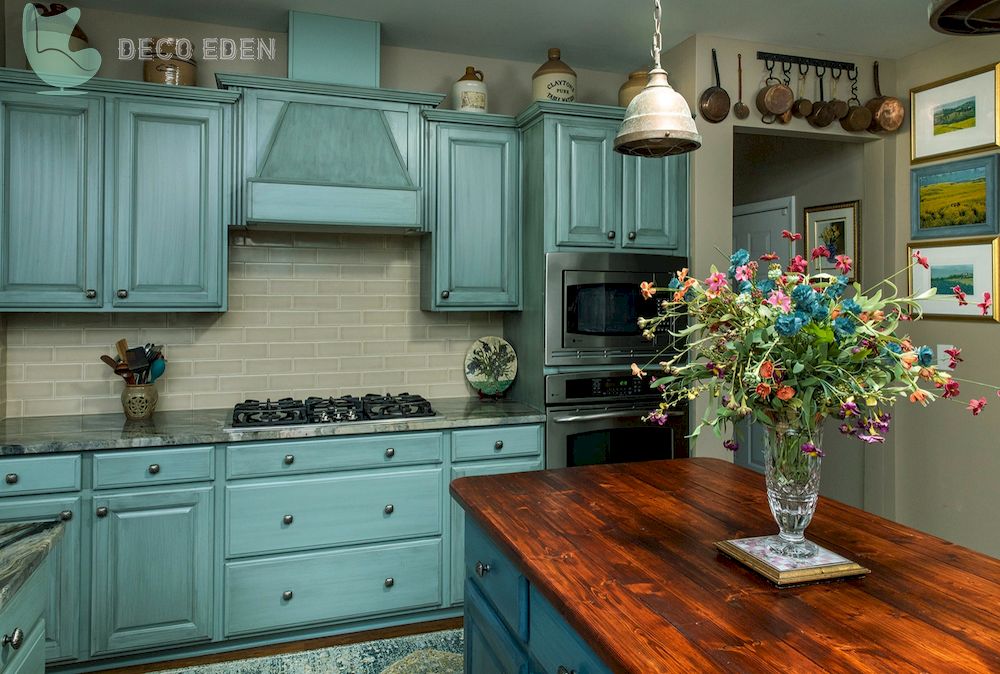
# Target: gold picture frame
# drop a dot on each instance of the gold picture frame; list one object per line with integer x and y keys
{"x": 947, "y": 307}
{"x": 817, "y": 216}
{"x": 919, "y": 120}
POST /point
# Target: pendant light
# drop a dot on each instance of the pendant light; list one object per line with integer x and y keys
{"x": 658, "y": 121}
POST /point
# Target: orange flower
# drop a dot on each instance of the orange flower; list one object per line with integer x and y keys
{"x": 906, "y": 344}
{"x": 647, "y": 289}
{"x": 637, "y": 371}
{"x": 679, "y": 295}
{"x": 763, "y": 390}
{"x": 908, "y": 359}
{"x": 863, "y": 317}
{"x": 878, "y": 315}
{"x": 834, "y": 313}
{"x": 682, "y": 274}
{"x": 767, "y": 369}
{"x": 919, "y": 396}
{"x": 786, "y": 393}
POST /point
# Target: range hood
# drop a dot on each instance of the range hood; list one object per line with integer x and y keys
{"x": 965, "y": 17}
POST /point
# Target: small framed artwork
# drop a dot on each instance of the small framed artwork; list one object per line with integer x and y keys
{"x": 954, "y": 116}
{"x": 837, "y": 227}
{"x": 954, "y": 199}
{"x": 965, "y": 268}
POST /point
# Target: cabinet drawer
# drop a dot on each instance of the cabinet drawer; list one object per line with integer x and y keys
{"x": 39, "y": 474}
{"x": 497, "y": 441}
{"x": 333, "y": 585}
{"x": 291, "y": 457}
{"x": 24, "y": 612}
{"x": 285, "y": 515}
{"x": 554, "y": 643}
{"x": 160, "y": 466}
{"x": 498, "y": 579}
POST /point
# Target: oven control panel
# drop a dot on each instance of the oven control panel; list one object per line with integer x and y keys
{"x": 604, "y": 386}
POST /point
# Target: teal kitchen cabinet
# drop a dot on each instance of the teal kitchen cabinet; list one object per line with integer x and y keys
{"x": 587, "y": 175}
{"x": 168, "y": 217}
{"x": 322, "y": 156}
{"x": 153, "y": 568}
{"x": 472, "y": 259}
{"x": 655, "y": 203}
{"x": 489, "y": 649}
{"x": 51, "y": 149}
{"x": 22, "y": 618}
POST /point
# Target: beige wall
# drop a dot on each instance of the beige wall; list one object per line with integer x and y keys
{"x": 308, "y": 315}
{"x": 947, "y": 462}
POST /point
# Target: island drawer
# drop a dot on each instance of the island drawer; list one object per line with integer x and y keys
{"x": 555, "y": 645}
{"x": 498, "y": 579}
{"x": 24, "y": 611}
{"x": 40, "y": 474}
{"x": 153, "y": 466}
{"x": 313, "y": 512}
{"x": 291, "y": 457}
{"x": 496, "y": 442}
{"x": 318, "y": 587}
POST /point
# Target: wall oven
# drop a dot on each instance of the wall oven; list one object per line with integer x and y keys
{"x": 596, "y": 418}
{"x": 593, "y": 303}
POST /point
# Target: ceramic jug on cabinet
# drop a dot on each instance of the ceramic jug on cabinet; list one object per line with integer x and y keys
{"x": 468, "y": 94}
{"x": 554, "y": 80}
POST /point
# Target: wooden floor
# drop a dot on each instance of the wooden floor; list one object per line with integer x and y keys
{"x": 294, "y": 646}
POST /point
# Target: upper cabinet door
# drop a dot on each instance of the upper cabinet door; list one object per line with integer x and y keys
{"x": 50, "y": 203}
{"x": 170, "y": 231}
{"x": 477, "y": 234}
{"x": 655, "y": 203}
{"x": 588, "y": 179}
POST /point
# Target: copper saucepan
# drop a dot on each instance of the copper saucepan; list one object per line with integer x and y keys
{"x": 823, "y": 113}
{"x": 858, "y": 116}
{"x": 714, "y": 102}
{"x": 887, "y": 111}
{"x": 802, "y": 107}
{"x": 775, "y": 98}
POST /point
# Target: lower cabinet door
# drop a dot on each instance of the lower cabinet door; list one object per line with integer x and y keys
{"x": 62, "y": 614}
{"x": 489, "y": 648}
{"x": 30, "y": 658}
{"x": 152, "y": 568}
{"x": 553, "y": 644}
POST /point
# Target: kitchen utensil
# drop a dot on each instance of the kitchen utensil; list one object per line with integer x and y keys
{"x": 822, "y": 114}
{"x": 156, "y": 369}
{"x": 887, "y": 111}
{"x": 123, "y": 371}
{"x": 802, "y": 107}
{"x": 741, "y": 110}
{"x": 858, "y": 116}
{"x": 838, "y": 106}
{"x": 136, "y": 358}
{"x": 122, "y": 346}
{"x": 109, "y": 361}
{"x": 714, "y": 101}
{"x": 775, "y": 97}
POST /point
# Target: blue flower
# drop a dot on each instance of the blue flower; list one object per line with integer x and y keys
{"x": 789, "y": 324}
{"x": 739, "y": 258}
{"x": 851, "y": 307}
{"x": 804, "y": 296}
{"x": 925, "y": 356}
{"x": 674, "y": 284}
{"x": 836, "y": 289}
{"x": 744, "y": 288}
{"x": 765, "y": 286}
{"x": 894, "y": 347}
{"x": 819, "y": 312}
{"x": 843, "y": 327}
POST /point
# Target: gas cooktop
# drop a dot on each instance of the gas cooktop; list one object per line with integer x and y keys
{"x": 314, "y": 410}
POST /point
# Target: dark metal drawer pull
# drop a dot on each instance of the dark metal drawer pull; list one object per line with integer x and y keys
{"x": 66, "y": 515}
{"x": 154, "y": 468}
{"x": 287, "y": 595}
{"x": 482, "y": 569}
{"x": 390, "y": 452}
{"x": 102, "y": 511}
{"x": 498, "y": 445}
{"x": 563, "y": 670}
{"x": 389, "y": 509}
{"x": 287, "y": 519}
{"x": 15, "y": 639}
{"x": 11, "y": 478}
{"x": 389, "y": 582}
{"x": 289, "y": 459}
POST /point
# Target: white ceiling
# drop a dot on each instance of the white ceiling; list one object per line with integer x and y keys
{"x": 601, "y": 34}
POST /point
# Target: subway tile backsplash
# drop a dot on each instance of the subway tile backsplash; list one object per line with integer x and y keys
{"x": 309, "y": 314}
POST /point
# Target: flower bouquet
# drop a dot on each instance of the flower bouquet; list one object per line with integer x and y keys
{"x": 788, "y": 349}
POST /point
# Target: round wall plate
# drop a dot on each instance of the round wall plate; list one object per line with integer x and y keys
{"x": 491, "y": 365}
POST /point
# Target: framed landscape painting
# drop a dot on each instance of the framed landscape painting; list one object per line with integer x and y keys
{"x": 838, "y": 227}
{"x": 954, "y": 116}
{"x": 967, "y": 266}
{"x": 954, "y": 199}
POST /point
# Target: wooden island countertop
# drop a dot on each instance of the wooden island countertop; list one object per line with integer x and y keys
{"x": 625, "y": 553}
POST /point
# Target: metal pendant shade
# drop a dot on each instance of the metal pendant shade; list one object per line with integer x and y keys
{"x": 658, "y": 121}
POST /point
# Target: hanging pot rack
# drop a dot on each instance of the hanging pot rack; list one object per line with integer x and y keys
{"x": 769, "y": 57}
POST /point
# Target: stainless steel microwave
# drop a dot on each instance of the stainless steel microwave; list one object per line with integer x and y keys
{"x": 593, "y": 304}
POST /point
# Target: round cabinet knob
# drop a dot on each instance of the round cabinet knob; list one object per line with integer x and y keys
{"x": 390, "y": 452}
{"x": 90, "y": 294}
{"x": 563, "y": 670}
{"x": 389, "y": 509}
{"x": 289, "y": 459}
{"x": 611, "y": 236}
{"x": 66, "y": 515}
{"x": 498, "y": 445}
{"x": 102, "y": 511}
{"x": 287, "y": 519}
{"x": 445, "y": 294}
{"x": 389, "y": 582}
{"x": 154, "y": 468}
{"x": 631, "y": 236}
{"x": 122, "y": 293}
{"x": 10, "y": 478}
{"x": 482, "y": 569}
{"x": 14, "y": 639}
{"x": 287, "y": 595}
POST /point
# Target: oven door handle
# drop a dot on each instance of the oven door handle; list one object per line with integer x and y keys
{"x": 620, "y": 414}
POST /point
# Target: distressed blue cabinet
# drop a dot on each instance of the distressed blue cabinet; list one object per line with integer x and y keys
{"x": 51, "y": 252}
{"x": 489, "y": 649}
{"x": 587, "y": 174}
{"x": 471, "y": 261}
{"x": 655, "y": 203}
{"x": 168, "y": 220}
{"x": 153, "y": 568}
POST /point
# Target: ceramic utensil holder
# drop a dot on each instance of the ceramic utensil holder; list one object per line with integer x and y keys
{"x": 139, "y": 401}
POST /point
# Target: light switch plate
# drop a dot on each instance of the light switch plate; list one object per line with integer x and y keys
{"x": 943, "y": 359}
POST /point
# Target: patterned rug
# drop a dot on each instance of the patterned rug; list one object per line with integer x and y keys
{"x": 430, "y": 653}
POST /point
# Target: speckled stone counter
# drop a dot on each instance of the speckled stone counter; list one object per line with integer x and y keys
{"x": 23, "y": 548}
{"x": 75, "y": 433}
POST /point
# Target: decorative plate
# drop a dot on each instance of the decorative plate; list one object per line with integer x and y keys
{"x": 491, "y": 365}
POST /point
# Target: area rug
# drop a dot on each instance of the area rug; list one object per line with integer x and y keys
{"x": 430, "y": 653}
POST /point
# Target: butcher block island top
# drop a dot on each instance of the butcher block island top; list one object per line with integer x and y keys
{"x": 626, "y": 554}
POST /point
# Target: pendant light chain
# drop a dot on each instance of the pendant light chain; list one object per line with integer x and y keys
{"x": 657, "y": 40}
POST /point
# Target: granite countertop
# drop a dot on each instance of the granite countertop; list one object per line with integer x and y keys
{"x": 75, "y": 433}
{"x": 23, "y": 548}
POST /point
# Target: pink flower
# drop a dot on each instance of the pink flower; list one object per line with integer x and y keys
{"x": 742, "y": 273}
{"x": 717, "y": 282}
{"x": 959, "y": 295}
{"x": 976, "y": 406}
{"x": 956, "y": 356}
{"x": 769, "y": 257}
{"x": 950, "y": 388}
{"x": 844, "y": 263}
{"x": 799, "y": 265}
{"x": 820, "y": 251}
{"x": 985, "y": 304}
{"x": 785, "y": 234}
{"x": 921, "y": 259}
{"x": 780, "y": 300}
